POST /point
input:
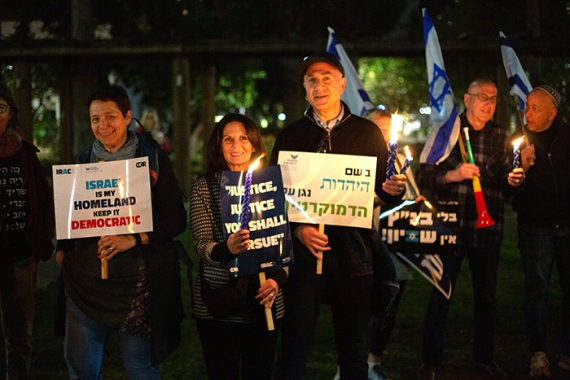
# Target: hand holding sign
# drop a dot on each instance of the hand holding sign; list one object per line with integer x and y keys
{"x": 311, "y": 238}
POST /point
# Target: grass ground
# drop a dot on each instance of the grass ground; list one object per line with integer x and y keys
{"x": 401, "y": 360}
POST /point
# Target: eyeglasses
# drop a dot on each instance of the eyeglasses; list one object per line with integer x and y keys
{"x": 4, "y": 108}
{"x": 484, "y": 98}
{"x": 325, "y": 144}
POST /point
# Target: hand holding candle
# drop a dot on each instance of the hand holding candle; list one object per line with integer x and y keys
{"x": 408, "y": 161}
{"x": 244, "y": 218}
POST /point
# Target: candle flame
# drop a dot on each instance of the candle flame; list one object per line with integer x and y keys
{"x": 408, "y": 153}
{"x": 395, "y": 126}
{"x": 393, "y": 135}
{"x": 517, "y": 143}
{"x": 255, "y": 164}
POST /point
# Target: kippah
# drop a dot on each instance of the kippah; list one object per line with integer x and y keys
{"x": 556, "y": 97}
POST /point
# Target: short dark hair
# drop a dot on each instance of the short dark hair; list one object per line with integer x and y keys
{"x": 112, "y": 93}
{"x": 215, "y": 160}
{"x": 7, "y": 96}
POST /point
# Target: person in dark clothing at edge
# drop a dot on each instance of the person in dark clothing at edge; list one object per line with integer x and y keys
{"x": 543, "y": 220}
{"x": 451, "y": 180}
{"x": 347, "y": 280}
{"x": 27, "y": 225}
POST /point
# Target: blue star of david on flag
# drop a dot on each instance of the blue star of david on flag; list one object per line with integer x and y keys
{"x": 518, "y": 81}
{"x": 444, "y": 116}
{"x": 438, "y": 88}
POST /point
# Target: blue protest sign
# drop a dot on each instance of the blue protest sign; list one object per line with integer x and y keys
{"x": 270, "y": 237}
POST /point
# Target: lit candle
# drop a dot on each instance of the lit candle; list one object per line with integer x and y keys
{"x": 392, "y": 146}
{"x": 408, "y": 161}
{"x": 244, "y": 217}
{"x": 517, "y": 152}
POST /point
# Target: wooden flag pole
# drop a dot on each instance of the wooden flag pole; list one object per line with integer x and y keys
{"x": 268, "y": 315}
{"x": 320, "y": 261}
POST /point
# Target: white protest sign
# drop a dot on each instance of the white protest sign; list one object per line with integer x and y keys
{"x": 102, "y": 198}
{"x": 324, "y": 188}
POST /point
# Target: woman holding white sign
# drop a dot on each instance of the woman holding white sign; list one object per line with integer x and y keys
{"x": 229, "y": 317}
{"x": 141, "y": 297}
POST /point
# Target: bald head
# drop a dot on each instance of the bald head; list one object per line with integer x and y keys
{"x": 480, "y": 102}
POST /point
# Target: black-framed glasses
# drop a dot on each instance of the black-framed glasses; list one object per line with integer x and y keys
{"x": 484, "y": 98}
{"x": 4, "y": 108}
{"x": 325, "y": 144}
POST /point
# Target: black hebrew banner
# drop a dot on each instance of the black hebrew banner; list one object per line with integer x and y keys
{"x": 418, "y": 233}
{"x": 420, "y": 227}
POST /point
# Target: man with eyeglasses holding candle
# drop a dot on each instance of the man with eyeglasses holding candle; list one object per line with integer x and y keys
{"x": 347, "y": 279}
{"x": 452, "y": 180}
{"x": 543, "y": 219}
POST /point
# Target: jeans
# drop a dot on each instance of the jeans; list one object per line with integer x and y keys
{"x": 17, "y": 283}
{"x": 483, "y": 263}
{"x": 349, "y": 298}
{"x": 540, "y": 248}
{"x": 84, "y": 347}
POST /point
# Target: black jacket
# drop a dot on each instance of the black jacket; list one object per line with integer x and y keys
{"x": 160, "y": 258}
{"x": 543, "y": 199}
{"x": 352, "y": 136}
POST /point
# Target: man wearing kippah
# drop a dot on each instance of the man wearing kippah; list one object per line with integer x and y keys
{"x": 543, "y": 218}
{"x": 346, "y": 282}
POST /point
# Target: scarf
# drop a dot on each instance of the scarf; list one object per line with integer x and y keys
{"x": 128, "y": 150}
{"x": 10, "y": 141}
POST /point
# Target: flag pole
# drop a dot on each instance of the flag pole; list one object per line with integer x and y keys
{"x": 320, "y": 261}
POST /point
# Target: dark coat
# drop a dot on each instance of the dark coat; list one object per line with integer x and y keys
{"x": 160, "y": 255}
{"x": 543, "y": 199}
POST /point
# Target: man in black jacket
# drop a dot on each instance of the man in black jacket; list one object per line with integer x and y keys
{"x": 543, "y": 218}
{"x": 347, "y": 281}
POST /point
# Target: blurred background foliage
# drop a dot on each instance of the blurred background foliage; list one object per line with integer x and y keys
{"x": 254, "y": 86}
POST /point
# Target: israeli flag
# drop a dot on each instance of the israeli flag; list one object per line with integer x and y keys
{"x": 354, "y": 94}
{"x": 444, "y": 115}
{"x": 519, "y": 83}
